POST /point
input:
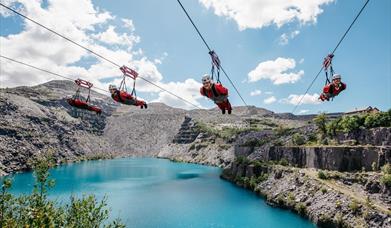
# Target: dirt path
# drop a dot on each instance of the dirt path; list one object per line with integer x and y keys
{"x": 358, "y": 196}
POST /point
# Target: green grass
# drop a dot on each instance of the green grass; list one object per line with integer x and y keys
{"x": 226, "y": 132}
{"x": 323, "y": 175}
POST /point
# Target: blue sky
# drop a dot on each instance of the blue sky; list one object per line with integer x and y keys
{"x": 167, "y": 49}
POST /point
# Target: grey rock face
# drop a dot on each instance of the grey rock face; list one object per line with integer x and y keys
{"x": 346, "y": 158}
{"x": 299, "y": 191}
{"x": 187, "y": 133}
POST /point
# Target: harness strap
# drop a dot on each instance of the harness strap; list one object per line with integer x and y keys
{"x": 118, "y": 94}
{"x": 214, "y": 91}
{"x": 88, "y": 98}
{"x": 328, "y": 62}
{"x": 215, "y": 63}
{"x": 134, "y": 89}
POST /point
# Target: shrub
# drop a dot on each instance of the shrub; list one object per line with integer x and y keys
{"x": 36, "y": 210}
{"x": 280, "y": 200}
{"x": 253, "y": 182}
{"x": 374, "y": 166}
{"x": 298, "y": 139}
{"x": 338, "y": 204}
{"x": 278, "y": 142}
{"x": 301, "y": 208}
{"x": 323, "y": 175}
{"x": 333, "y": 127}
{"x": 386, "y": 169}
{"x": 262, "y": 177}
{"x": 386, "y": 180}
{"x": 246, "y": 182}
{"x": 381, "y": 119}
{"x": 368, "y": 202}
{"x": 257, "y": 163}
{"x": 351, "y": 123}
{"x": 242, "y": 160}
{"x": 282, "y": 131}
{"x": 324, "y": 190}
{"x": 312, "y": 137}
{"x": 284, "y": 162}
{"x": 291, "y": 199}
{"x": 325, "y": 221}
{"x": 354, "y": 206}
{"x": 339, "y": 220}
{"x": 320, "y": 122}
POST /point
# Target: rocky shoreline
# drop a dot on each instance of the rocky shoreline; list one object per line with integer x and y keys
{"x": 322, "y": 201}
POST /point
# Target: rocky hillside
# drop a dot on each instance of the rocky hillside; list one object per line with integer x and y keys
{"x": 272, "y": 154}
{"x": 37, "y": 119}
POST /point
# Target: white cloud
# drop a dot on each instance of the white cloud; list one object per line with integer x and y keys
{"x": 284, "y": 38}
{"x": 303, "y": 111}
{"x": 84, "y": 23}
{"x": 189, "y": 90}
{"x": 41, "y": 48}
{"x": 275, "y": 71}
{"x": 294, "y": 99}
{"x": 111, "y": 37}
{"x": 161, "y": 58}
{"x": 255, "y": 93}
{"x": 260, "y": 13}
{"x": 268, "y": 92}
{"x": 270, "y": 100}
{"x": 127, "y": 23}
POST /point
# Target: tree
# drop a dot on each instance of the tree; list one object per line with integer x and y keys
{"x": 36, "y": 210}
{"x": 320, "y": 122}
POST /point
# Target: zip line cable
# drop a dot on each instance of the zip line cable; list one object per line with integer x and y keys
{"x": 58, "y": 34}
{"x": 62, "y": 76}
{"x": 208, "y": 47}
{"x": 46, "y": 71}
{"x": 96, "y": 54}
{"x": 336, "y": 47}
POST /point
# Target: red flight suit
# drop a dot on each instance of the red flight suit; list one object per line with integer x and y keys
{"x": 219, "y": 94}
{"x": 83, "y": 105}
{"x": 125, "y": 98}
{"x": 330, "y": 90}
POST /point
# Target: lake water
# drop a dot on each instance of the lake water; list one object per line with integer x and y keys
{"x": 147, "y": 192}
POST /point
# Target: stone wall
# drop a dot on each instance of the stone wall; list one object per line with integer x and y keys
{"x": 380, "y": 136}
{"x": 346, "y": 158}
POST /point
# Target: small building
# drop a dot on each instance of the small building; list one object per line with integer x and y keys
{"x": 363, "y": 111}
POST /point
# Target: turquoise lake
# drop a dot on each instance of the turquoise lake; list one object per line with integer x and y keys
{"x": 147, "y": 192}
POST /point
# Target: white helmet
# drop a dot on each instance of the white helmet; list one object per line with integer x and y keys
{"x": 206, "y": 78}
{"x": 111, "y": 87}
{"x": 336, "y": 76}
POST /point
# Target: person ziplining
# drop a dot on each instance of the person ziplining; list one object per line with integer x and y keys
{"x": 216, "y": 91}
{"x": 336, "y": 86}
{"x": 121, "y": 95}
{"x": 77, "y": 102}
